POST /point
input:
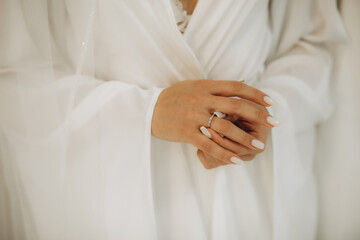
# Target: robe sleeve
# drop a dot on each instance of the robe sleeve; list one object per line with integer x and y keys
{"x": 299, "y": 66}
{"x": 297, "y": 77}
{"x": 75, "y": 149}
{"x": 95, "y": 159}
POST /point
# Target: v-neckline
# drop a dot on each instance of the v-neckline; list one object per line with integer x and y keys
{"x": 184, "y": 36}
{"x": 193, "y": 15}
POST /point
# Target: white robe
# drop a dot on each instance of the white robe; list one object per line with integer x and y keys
{"x": 337, "y": 161}
{"x": 83, "y": 164}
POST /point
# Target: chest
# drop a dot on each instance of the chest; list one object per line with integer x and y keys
{"x": 140, "y": 41}
{"x": 188, "y": 5}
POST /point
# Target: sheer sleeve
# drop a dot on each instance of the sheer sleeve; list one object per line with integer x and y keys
{"x": 297, "y": 76}
{"x": 299, "y": 67}
{"x": 60, "y": 122}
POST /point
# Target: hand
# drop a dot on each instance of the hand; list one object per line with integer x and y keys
{"x": 184, "y": 107}
{"x": 259, "y": 131}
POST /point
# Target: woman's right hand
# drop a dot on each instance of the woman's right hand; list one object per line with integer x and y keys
{"x": 184, "y": 107}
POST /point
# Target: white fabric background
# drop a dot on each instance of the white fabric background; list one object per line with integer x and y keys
{"x": 338, "y": 160}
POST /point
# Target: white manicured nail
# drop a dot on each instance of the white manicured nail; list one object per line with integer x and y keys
{"x": 268, "y": 100}
{"x": 257, "y": 144}
{"x": 273, "y": 121}
{"x": 205, "y": 131}
{"x": 236, "y": 160}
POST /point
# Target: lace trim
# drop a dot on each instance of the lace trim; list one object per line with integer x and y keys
{"x": 181, "y": 16}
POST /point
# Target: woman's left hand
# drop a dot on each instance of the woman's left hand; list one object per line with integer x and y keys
{"x": 259, "y": 131}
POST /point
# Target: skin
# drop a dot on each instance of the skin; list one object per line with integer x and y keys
{"x": 189, "y": 5}
{"x": 184, "y": 107}
{"x": 181, "y": 109}
{"x": 259, "y": 131}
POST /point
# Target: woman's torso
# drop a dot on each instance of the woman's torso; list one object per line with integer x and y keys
{"x": 140, "y": 43}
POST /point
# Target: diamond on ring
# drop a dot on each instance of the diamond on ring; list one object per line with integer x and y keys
{"x": 217, "y": 114}
{"x": 220, "y": 114}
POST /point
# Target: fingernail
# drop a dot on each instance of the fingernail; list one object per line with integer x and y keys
{"x": 268, "y": 100}
{"x": 257, "y": 144}
{"x": 236, "y": 160}
{"x": 273, "y": 121}
{"x": 205, "y": 131}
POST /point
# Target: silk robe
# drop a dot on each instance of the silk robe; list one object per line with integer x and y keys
{"x": 77, "y": 156}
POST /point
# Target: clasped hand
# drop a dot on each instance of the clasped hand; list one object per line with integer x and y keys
{"x": 184, "y": 107}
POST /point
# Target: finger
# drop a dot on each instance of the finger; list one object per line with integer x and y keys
{"x": 239, "y": 89}
{"x": 208, "y": 161}
{"x": 248, "y": 157}
{"x": 236, "y": 134}
{"x": 244, "y": 110}
{"x": 205, "y": 144}
{"x": 212, "y": 159}
{"x": 236, "y": 148}
{"x": 208, "y": 164}
{"x": 245, "y": 154}
{"x": 260, "y": 132}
